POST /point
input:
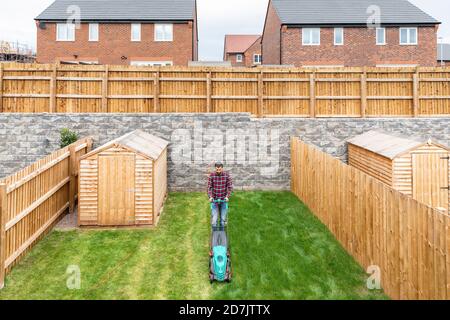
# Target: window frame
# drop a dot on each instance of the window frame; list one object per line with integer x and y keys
{"x": 311, "y": 34}
{"x": 97, "y": 33}
{"x": 342, "y": 31}
{"x": 67, "y": 29}
{"x": 239, "y": 57}
{"x": 259, "y": 60}
{"x": 408, "y": 36}
{"x": 163, "y": 25}
{"x": 378, "y": 43}
{"x": 133, "y": 25}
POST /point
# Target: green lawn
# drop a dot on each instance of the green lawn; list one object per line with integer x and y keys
{"x": 279, "y": 251}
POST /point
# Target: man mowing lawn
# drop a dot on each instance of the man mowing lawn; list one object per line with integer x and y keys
{"x": 220, "y": 187}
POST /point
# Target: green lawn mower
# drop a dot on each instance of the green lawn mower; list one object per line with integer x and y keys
{"x": 220, "y": 257}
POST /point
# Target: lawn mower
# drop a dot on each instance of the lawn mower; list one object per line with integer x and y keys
{"x": 220, "y": 259}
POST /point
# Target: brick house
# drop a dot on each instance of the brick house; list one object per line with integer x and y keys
{"x": 148, "y": 32}
{"x": 336, "y": 33}
{"x": 242, "y": 50}
{"x": 443, "y": 55}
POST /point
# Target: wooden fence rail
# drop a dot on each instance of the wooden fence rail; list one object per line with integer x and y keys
{"x": 377, "y": 225}
{"x": 264, "y": 92}
{"x": 32, "y": 200}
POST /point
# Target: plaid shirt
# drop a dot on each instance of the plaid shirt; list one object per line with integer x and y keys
{"x": 220, "y": 186}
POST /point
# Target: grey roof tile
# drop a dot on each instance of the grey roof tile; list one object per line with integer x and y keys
{"x": 329, "y": 12}
{"x": 122, "y": 10}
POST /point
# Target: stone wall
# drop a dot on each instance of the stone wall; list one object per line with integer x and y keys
{"x": 256, "y": 151}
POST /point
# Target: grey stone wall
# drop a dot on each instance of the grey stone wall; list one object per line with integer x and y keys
{"x": 256, "y": 151}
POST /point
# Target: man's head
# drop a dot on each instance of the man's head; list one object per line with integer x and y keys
{"x": 219, "y": 168}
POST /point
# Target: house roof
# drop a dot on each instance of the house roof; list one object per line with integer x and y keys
{"x": 239, "y": 43}
{"x": 445, "y": 49}
{"x": 139, "y": 141}
{"x": 387, "y": 144}
{"x": 122, "y": 10}
{"x": 331, "y": 12}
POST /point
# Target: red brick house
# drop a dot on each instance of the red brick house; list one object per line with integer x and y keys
{"x": 148, "y": 32}
{"x": 242, "y": 50}
{"x": 348, "y": 33}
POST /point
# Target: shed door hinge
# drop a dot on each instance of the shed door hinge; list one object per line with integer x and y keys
{"x": 445, "y": 188}
{"x": 445, "y": 158}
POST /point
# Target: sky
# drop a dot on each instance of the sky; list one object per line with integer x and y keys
{"x": 215, "y": 17}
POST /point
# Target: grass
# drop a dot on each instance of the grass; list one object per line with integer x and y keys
{"x": 279, "y": 251}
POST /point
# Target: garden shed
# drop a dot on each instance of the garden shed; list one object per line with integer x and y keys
{"x": 124, "y": 182}
{"x": 414, "y": 166}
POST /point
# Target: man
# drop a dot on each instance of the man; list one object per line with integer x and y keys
{"x": 220, "y": 187}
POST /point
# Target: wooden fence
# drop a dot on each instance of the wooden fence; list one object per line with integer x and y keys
{"x": 379, "y": 226}
{"x": 264, "y": 92}
{"x": 32, "y": 200}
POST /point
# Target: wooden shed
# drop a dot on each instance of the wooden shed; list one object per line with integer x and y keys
{"x": 413, "y": 166}
{"x": 124, "y": 182}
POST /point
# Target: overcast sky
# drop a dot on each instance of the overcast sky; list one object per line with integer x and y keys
{"x": 216, "y": 18}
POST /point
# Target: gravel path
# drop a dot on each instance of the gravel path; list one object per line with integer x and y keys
{"x": 68, "y": 222}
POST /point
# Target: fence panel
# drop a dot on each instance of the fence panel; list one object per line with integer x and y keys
{"x": 264, "y": 92}
{"x": 32, "y": 200}
{"x": 377, "y": 225}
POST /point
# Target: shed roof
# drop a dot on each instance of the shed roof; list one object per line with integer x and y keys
{"x": 122, "y": 10}
{"x": 387, "y": 144}
{"x": 139, "y": 141}
{"x": 329, "y": 12}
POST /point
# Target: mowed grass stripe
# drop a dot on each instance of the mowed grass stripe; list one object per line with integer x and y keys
{"x": 279, "y": 251}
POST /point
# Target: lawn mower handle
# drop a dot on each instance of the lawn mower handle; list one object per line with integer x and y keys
{"x": 218, "y": 201}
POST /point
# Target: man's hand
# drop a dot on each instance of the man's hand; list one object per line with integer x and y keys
{"x": 211, "y": 199}
{"x": 226, "y": 200}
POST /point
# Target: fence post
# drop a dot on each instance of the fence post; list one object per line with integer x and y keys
{"x": 208, "y": 92}
{"x": 1, "y": 87}
{"x": 53, "y": 87}
{"x": 312, "y": 95}
{"x": 105, "y": 90}
{"x": 89, "y": 143}
{"x": 261, "y": 94}
{"x": 156, "y": 93}
{"x": 72, "y": 175}
{"x": 3, "y": 211}
{"x": 363, "y": 93}
{"x": 416, "y": 93}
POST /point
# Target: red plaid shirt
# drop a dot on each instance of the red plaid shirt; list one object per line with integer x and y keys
{"x": 220, "y": 186}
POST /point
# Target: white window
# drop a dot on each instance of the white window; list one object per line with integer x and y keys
{"x": 381, "y": 36}
{"x": 311, "y": 36}
{"x": 93, "y": 32}
{"x": 239, "y": 58}
{"x": 163, "y": 32}
{"x": 338, "y": 36}
{"x": 65, "y": 32}
{"x": 257, "y": 58}
{"x": 136, "y": 32}
{"x": 408, "y": 36}
{"x": 151, "y": 63}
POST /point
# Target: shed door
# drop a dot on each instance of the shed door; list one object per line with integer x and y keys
{"x": 430, "y": 179}
{"x": 116, "y": 177}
